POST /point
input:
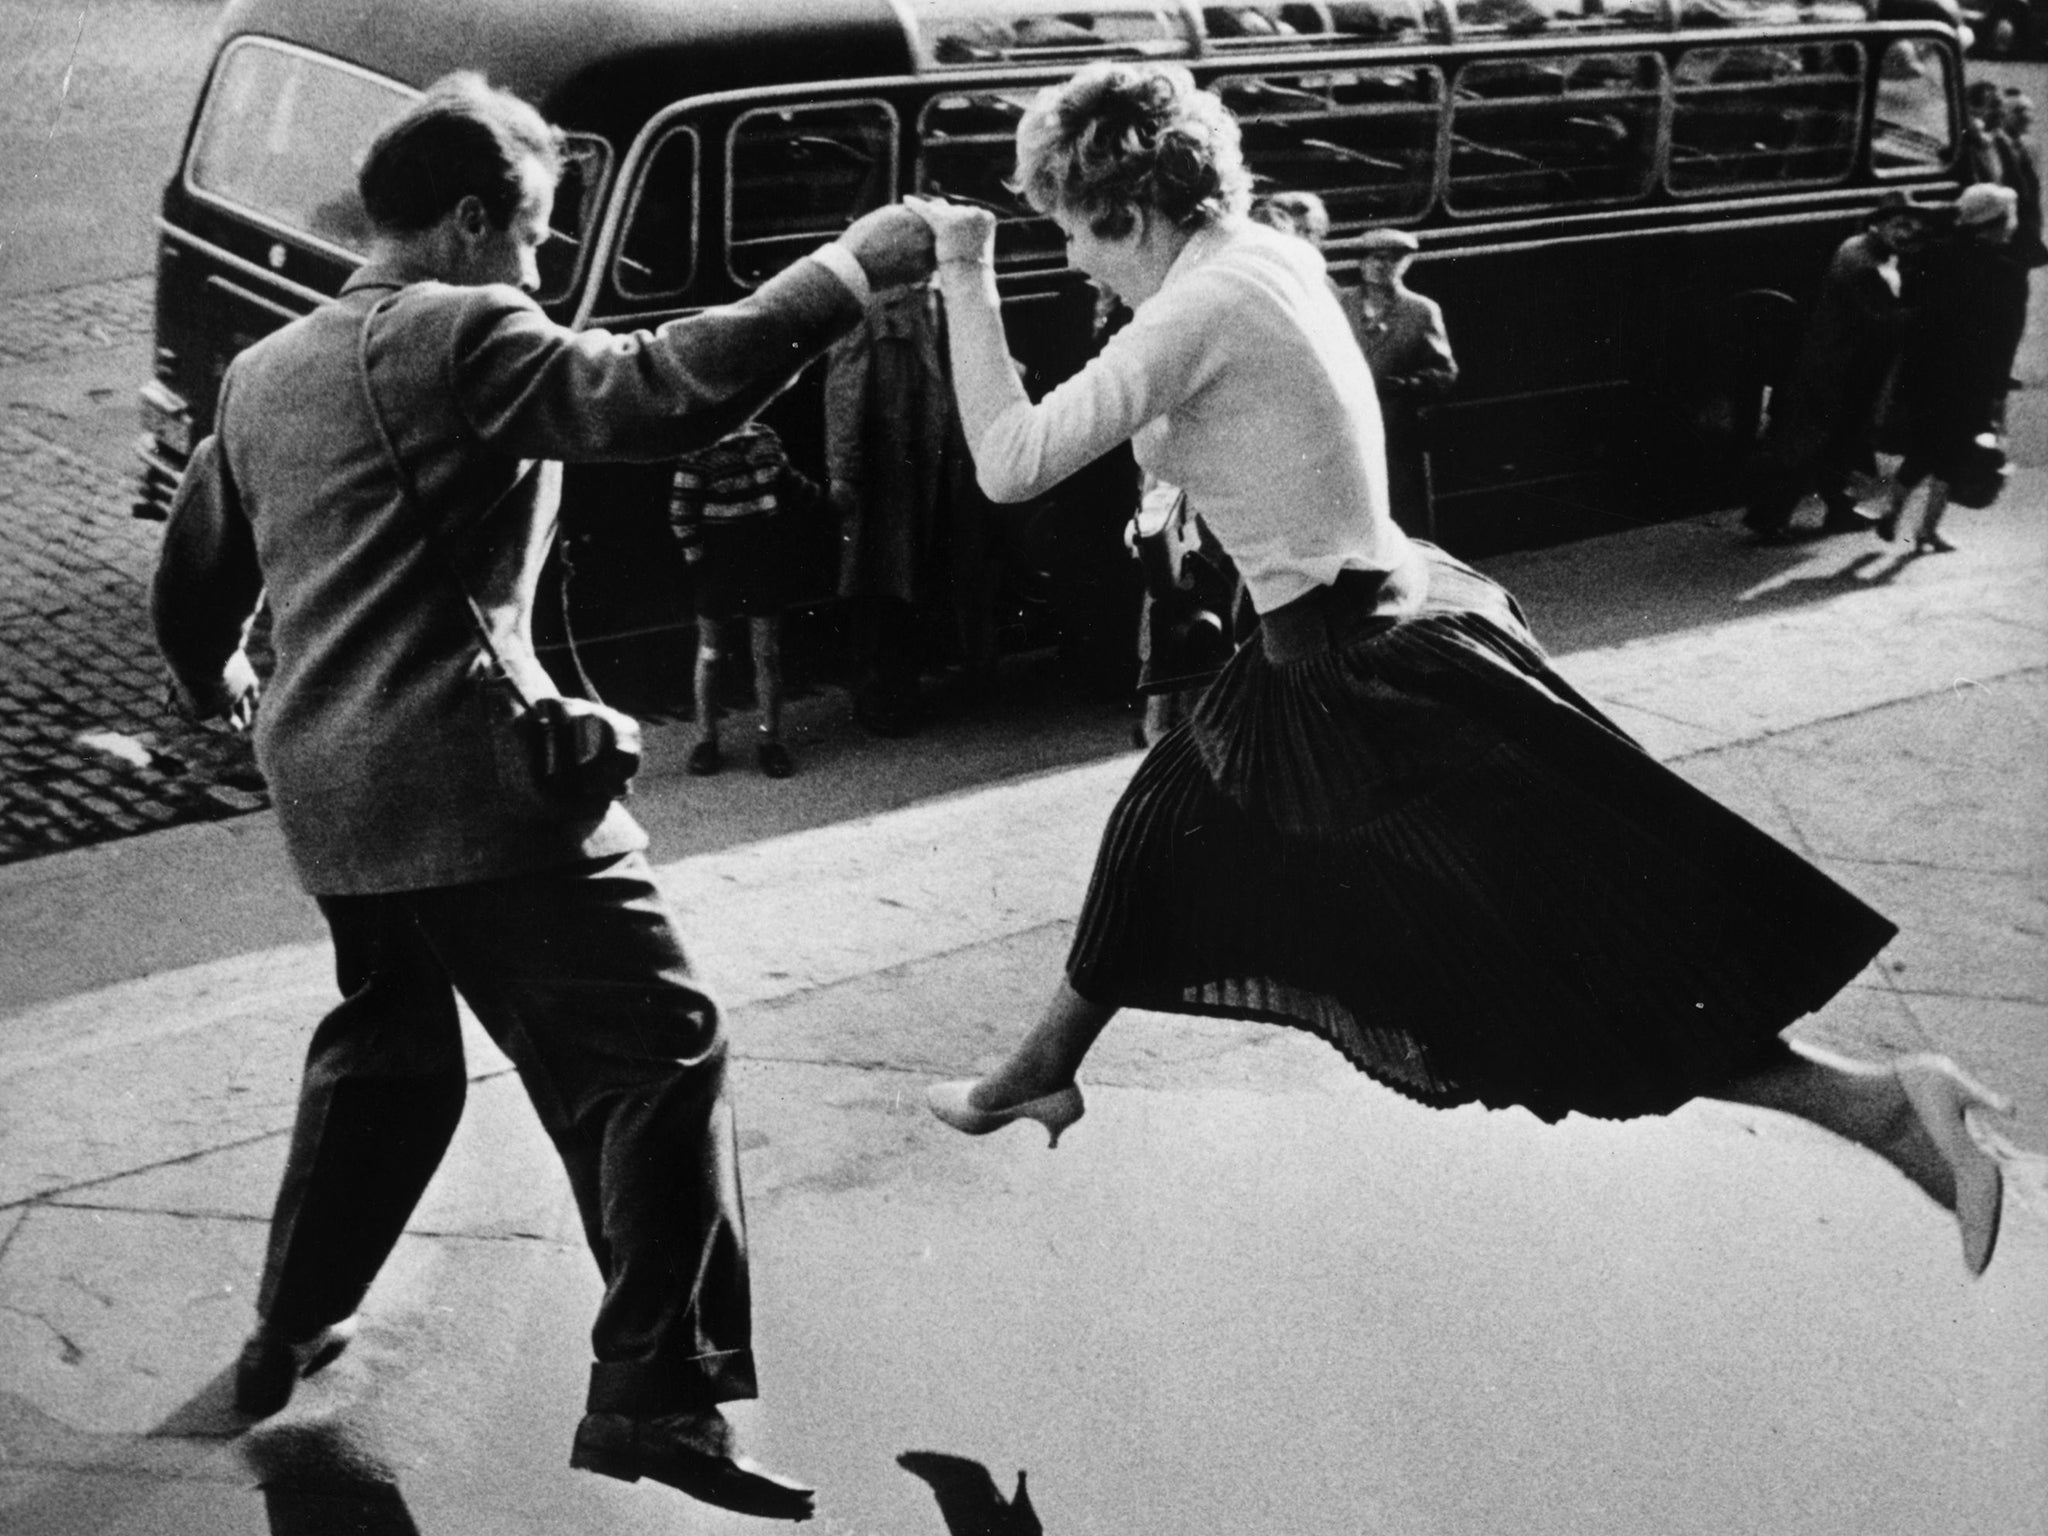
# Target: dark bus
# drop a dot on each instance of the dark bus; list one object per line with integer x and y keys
{"x": 1624, "y": 207}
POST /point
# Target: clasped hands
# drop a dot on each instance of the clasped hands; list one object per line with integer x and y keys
{"x": 903, "y": 242}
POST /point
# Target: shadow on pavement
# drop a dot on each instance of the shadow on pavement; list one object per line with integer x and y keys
{"x": 969, "y": 1501}
{"x": 318, "y": 1482}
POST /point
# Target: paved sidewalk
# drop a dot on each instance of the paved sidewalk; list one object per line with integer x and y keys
{"x": 1251, "y": 1293}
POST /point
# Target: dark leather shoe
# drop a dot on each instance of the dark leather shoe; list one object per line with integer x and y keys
{"x": 271, "y": 1365}
{"x": 691, "y": 1452}
{"x": 774, "y": 760}
{"x": 704, "y": 760}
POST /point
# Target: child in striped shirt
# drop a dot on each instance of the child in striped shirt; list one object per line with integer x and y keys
{"x": 730, "y": 506}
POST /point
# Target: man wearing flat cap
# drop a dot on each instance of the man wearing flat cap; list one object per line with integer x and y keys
{"x": 1403, "y": 337}
{"x": 1823, "y": 416}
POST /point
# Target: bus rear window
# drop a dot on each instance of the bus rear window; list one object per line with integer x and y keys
{"x": 283, "y": 133}
{"x": 1765, "y": 116}
{"x": 1559, "y": 129}
{"x": 1363, "y": 140}
{"x": 799, "y": 175}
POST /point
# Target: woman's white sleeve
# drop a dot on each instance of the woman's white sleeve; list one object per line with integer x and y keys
{"x": 1021, "y": 449}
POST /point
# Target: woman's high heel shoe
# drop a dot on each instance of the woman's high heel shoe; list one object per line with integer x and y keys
{"x": 1942, "y": 1097}
{"x": 1055, "y": 1111}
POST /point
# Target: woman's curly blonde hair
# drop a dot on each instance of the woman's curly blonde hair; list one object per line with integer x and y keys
{"x": 1123, "y": 137}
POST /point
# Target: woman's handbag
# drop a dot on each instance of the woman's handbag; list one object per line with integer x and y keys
{"x": 582, "y": 754}
{"x": 1191, "y": 595}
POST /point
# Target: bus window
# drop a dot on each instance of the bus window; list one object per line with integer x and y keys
{"x": 1522, "y": 18}
{"x": 658, "y": 256}
{"x": 1337, "y": 21}
{"x": 797, "y": 176}
{"x": 1768, "y": 13}
{"x": 996, "y": 31}
{"x": 1363, "y": 140}
{"x": 1911, "y": 129}
{"x": 282, "y": 134}
{"x": 579, "y": 199}
{"x": 1560, "y": 128}
{"x": 1765, "y": 116}
{"x": 967, "y": 150}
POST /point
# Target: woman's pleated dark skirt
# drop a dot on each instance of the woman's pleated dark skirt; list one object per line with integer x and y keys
{"x": 1390, "y": 823}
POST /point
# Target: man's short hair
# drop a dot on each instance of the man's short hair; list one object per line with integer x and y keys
{"x": 463, "y": 138}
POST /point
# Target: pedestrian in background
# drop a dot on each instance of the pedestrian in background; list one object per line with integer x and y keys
{"x": 1389, "y": 822}
{"x": 1408, "y": 349}
{"x": 1301, "y": 214}
{"x": 899, "y": 476}
{"x": 387, "y": 469}
{"x": 1987, "y": 151}
{"x": 1968, "y": 317}
{"x": 1823, "y": 418}
{"x": 734, "y": 506}
{"x": 2025, "y": 169}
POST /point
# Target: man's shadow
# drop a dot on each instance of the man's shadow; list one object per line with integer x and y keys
{"x": 316, "y": 1481}
{"x": 316, "y": 1478}
{"x": 969, "y": 1501}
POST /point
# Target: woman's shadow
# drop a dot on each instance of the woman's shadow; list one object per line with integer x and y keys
{"x": 969, "y": 1501}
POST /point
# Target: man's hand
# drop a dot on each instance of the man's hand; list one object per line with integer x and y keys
{"x": 892, "y": 245}
{"x": 232, "y": 699}
{"x": 960, "y": 232}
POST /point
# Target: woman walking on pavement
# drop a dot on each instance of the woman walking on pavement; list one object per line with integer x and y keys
{"x": 1388, "y": 822}
{"x": 1969, "y": 316}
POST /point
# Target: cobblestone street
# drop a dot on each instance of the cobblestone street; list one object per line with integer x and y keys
{"x": 87, "y": 750}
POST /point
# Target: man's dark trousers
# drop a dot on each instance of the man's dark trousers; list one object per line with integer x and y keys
{"x": 578, "y": 974}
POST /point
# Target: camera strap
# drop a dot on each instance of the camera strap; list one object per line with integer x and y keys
{"x": 409, "y": 495}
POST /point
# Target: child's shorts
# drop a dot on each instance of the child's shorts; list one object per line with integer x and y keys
{"x": 744, "y": 570}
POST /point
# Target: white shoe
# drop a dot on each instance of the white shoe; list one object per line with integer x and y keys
{"x": 1942, "y": 1095}
{"x": 1055, "y": 1111}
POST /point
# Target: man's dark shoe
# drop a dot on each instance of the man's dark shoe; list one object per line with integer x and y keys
{"x": 271, "y": 1365}
{"x": 704, "y": 760}
{"x": 691, "y": 1452}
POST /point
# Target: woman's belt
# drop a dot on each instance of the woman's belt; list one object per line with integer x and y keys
{"x": 1356, "y": 604}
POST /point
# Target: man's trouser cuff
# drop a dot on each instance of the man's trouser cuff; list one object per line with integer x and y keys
{"x": 643, "y": 1390}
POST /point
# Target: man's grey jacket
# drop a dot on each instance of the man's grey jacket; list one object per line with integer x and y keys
{"x": 387, "y": 755}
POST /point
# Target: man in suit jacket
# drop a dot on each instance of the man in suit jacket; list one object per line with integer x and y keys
{"x": 386, "y": 469}
{"x": 2025, "y": 173}
{"x": 1402, "y": 335}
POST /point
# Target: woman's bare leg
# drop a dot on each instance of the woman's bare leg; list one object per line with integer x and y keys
{"x": 766, "y": 634}
{"x": 1047, "y": 1058}
{"x": 710, "y": 640}
{"x": 1929, "y": 537}
{"x": 1862, "y": 1102}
